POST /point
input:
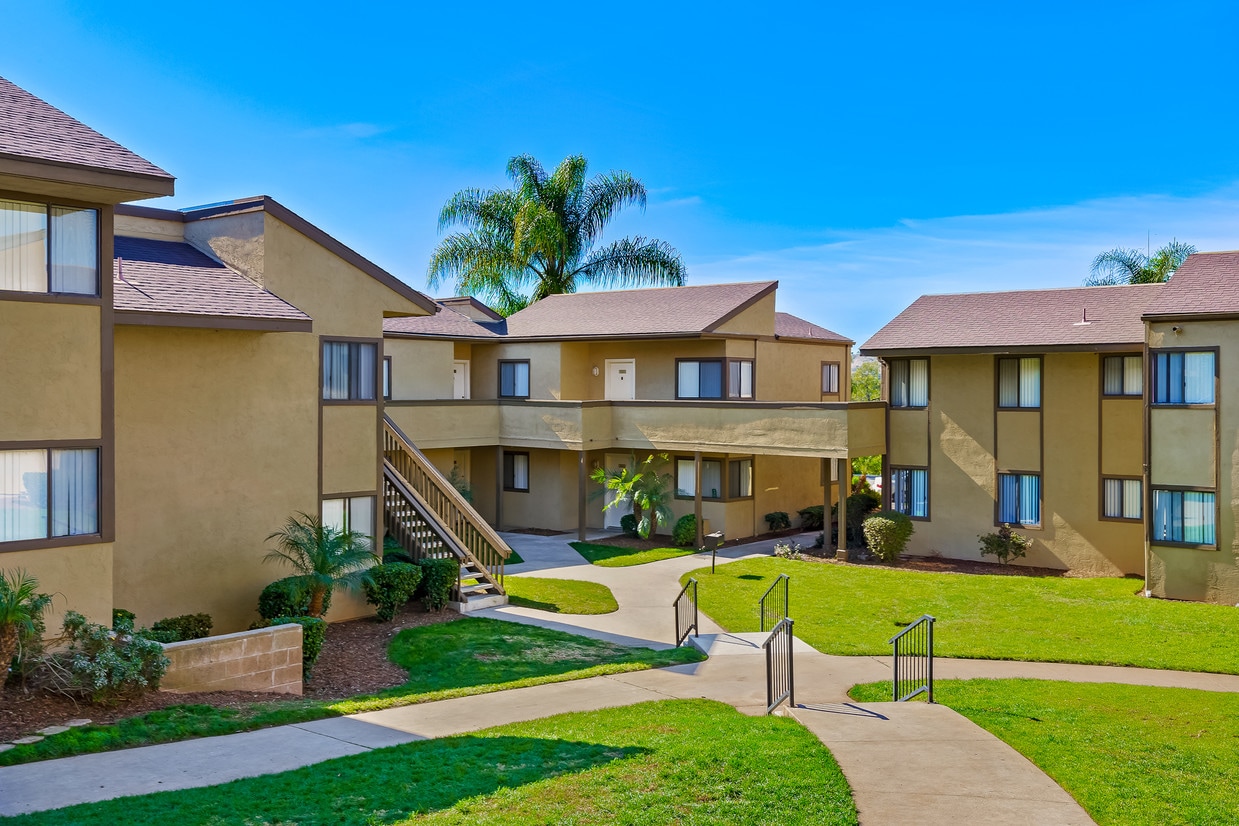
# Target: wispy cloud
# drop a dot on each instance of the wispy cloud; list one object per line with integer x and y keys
{"x": 858, "y": 280}
{"x": 358, "y": 131}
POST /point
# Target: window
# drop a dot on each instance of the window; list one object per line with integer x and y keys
{"x": 711, "y": 478}
{"x": 739, "y": 478}
{"x": 1019, "y": 382}
{"x": 516, "y": 471}
{"x": 1184, "y": 516}
{"x": 48, "y": 249}
{"x": 910, "y": 491}
{"x": 909, "y": 382}
{"x": 1122, "y": 376}
{"x": 830, "y": 377}
{"x": 1121, "y": 498}
{"x": 514, "y": 379}
{"x": 387, "y": 378}
{"x": 352, "y": 513}
{"x": 739, "y": 379}
{"x": 699, "y": 379}
{"x": 349, "y": 370}
{"x": 36, "y": 504}
{"x": 1183, "y": 378}
{"x": 1019, "y": 499}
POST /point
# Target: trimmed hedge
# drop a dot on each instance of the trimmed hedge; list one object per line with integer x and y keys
{"x": 811, "y": 518}
{"x": 288, "y": 597}
{"x": 628, "y": 524}
{"x": 438, "y": 577}
{"x": 779, "y": 520}
{"x": 684, "y": 533}
{"x": 184, "y": 627}
{"x": 313, "y": 633}
{"x": 887, "y": 534}
{"x": 390, "y": 586}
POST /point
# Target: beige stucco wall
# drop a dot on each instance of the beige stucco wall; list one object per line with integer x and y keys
{"x": 57, "y": 394}
{"x": 1122, "y": 437}
{"x": 350, "y": 448}
{"x": 544, "y": 370}
{"x": 421, "y": 368}
{"x": 909, "y": 444}
{"x": 153, "y": 228}
{"x": 1182, "y": 448}
{"x": 655, "y": 364}
{"x": 237, "y": 240}
{"x": 78, "y": 577}
{"x": 756, "y": 320}
{"x": 788, "y": 371}
{"x": 1019, "y": 440}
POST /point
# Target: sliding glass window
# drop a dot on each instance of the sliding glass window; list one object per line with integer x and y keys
{"x": 910, "y": 491}
{"x": 1019, "y": 382}
{"x": 48, "y": 493}
{"x": 1183, "y": 378}
{"x": 909, "y": 382}
{"x": 350, "y": 370}
{"x": 1187, "y": 516}
{"x": 1019, "y": 499}
{"x": 49, "y": 249}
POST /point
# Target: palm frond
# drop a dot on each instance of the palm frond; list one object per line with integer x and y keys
{"x": 633, "y": 262}
{"x": 605, "y": 196}
{"x": 1117, "y": 266}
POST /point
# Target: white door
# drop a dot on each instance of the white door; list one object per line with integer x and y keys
{"x": 612, "y": 516}
{"x": 621, "y": 379}
{"x": 460, "y": 379}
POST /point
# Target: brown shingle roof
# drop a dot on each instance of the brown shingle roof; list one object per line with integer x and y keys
{"x": 1023, "y": 318}
{"x": 1206, "y": 284}
{"x": 32, "y": 128}
{"x": 469, "y": 306}
{"x": 446, "y": 323}
{"x": 170, "y": 277}
{"x": 787, "y": 325}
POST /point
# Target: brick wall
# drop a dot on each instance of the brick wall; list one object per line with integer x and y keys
{"x": 266, "y": 659}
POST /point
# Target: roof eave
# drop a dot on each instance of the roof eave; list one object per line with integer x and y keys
{"x": 998, "y": 350}
{"x": 142, "y": 318}
{"x": 55, "y": 178}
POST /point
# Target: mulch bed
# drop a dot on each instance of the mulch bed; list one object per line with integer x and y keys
{"x": 353, "y": 661}
{"x": 620, "y": 540}
{"x": 937, "y": 565}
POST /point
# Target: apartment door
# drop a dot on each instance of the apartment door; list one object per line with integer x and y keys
{"x": 460, "y": 379}
{"x": 612, "y": 516}
{"x": 621, "y": 379}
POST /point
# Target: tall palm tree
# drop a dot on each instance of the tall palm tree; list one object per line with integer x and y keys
{"x": 538, "y": 238}
{"x": 322, "y": 556}
{"x": 1124, "y": 266}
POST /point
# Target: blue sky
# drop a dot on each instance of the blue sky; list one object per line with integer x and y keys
{"x": 861, "y": 154}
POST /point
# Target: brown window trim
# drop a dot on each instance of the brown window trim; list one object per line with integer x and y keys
{"x": 378, "y": 373}
{"x": 1102, "y": 383}
{"x": 386, "y": 379}
{"x": 726, "y": 391}
{"x": 1101, "y": 493}
{"x": 929, "y": 387}
{"x": 1150, "y": 379}
{"x": 838, "y": 365}
{"x": 724, "y": 472}
{"x": 528, "y": 471}
{"x": 998, "y": 382}
{"x": 1170, "y": 543}
{"x": 96, "y": 538}
{"x": 928, "y": 504}
{"x": 1016, "y": 526}
{"x": 529, "y": 378}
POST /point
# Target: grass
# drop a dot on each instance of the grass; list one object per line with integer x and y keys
{"x": 454, "y": 659}
{"x": 611, "y": 556}
{"x": 560, "y": 596}
{"x": 854, "y": 610}
{"x": 674, "y": 761}
{"x": 1128, "y": 754}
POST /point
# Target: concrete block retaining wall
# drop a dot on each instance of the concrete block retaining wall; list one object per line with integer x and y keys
{"x": 266, "y": 659}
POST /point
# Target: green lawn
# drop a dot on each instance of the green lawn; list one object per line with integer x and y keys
{"x": 454, "y": 659}
{"x": 854, "y": 610}
{"x": 561, "y": 596}
{"x": 1128, "y": 754}
{"x": 675, "y": 761}
{"x": 609, "y": 556}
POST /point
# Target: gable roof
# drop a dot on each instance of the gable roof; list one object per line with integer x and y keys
{"x": 469, "y": 306}
{"x": 1030, "y": 319}
{"x": 787, "y": 325}
{"x": 32, "y": 129}
{"x": 1206, "y": 284}
{"x": 173, "y": 283}
{"x": 446, "y": 323}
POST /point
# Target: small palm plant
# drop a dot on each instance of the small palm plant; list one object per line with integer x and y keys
{"x": 322, "y": 556}
{"x": 646, "y": 490}
{"x": 21, "y": 615}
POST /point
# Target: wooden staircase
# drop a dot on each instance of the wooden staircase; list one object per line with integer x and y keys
{"x": 425, "y": 513}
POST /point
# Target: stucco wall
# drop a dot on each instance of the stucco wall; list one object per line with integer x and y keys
{"x": 788, "y": 371}
{"x": 57, "y": 394}
{"x": 757, "y": 319}
{"x": 79, "y": 577}
{"x": 421, "y": 368}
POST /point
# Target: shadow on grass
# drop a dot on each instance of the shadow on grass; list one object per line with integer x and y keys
{"x": 526, "y": 602}
{"x": 756, "y": 577}
{"x": 381, "y": 786}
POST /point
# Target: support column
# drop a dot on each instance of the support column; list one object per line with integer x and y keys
{"x": 828, "y": 475}
{"x": 886, "y": 482}
{"x": 697, "y": 497}
{"x": 845, "y": 484}
{"x": 581, "y": 478}
{"x": 498, "y": 487}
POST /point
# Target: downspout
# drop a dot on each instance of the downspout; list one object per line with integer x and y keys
{"x": 1146, "y": 460}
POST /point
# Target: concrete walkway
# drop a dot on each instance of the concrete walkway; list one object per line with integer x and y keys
{"x": 941, "y": 766}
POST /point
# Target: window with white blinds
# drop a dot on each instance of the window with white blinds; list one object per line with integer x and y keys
{"x": 1019, "y": 498}
{"x": 350, "y": 370}
{"x": 1183, "y": 377}
{"x": 351, "y": 514}
{"x": 1122, "y": 376}
{"x": 1019, "y": 382}
{"x": 48, "y": 493}
{"x": 910, "y": 491}
{"x": 909, "y": 382}
{"x": 1122, "y": 498}
{"x": 1187, "y": 516}
{"x": 48, "y": 249}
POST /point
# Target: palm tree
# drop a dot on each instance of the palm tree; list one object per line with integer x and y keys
{"x": 538, "y": 238}
{"x": 647, "y": 490}
{"x": 322, "y": 556}
{"x": 1124, "y": 266}
{"x": 21, "y": 614}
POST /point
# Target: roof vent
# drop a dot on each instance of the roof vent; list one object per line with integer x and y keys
{"x": 1083, "y": 322}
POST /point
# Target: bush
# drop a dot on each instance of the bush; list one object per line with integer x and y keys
{"x": 438, "y": 578}
{"x": 390, "y": 586}
{"x": 1006, "y": 544}
{"x": 122, "y": 620}
{"x": 104, "y": 665}
{"x": 685, "y": 532}
{"x": 786, "y": 550}
{"x": 184, "y": 627}
{"x": 22, "y": 624}
{"x": 287, "y": 597}
{"x": 313, "y": 633}
{"x": 628, "y": 524}
{"x": 860, "y": 506}
{"x": 778, "y": 520}
{"x": 811, "y": 518}
{"x": 887, "y": 534}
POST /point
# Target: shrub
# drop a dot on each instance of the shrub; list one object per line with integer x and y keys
{"x": 860, "y": 506}
{"x": 122, "y": 620}
{"x": 438, "y": 577}
{"x": 21, "y": 623}
{"x": 628, "y": 524}
{"x": 787, "y": 550}
{"x": 391, "y": 585}
{"x": 811, "y": 518}
{"x": 287, "y": 597}
{"x": 313, "y": 633}
{"x": 104, "y": 665}
{"x": 685, "y": 532}
{"x": 887, "y": 534}
{"x": 184, "y": 627}
{"x": 778, "y": 521}
{"x": 1006, "y": 544}
{"x": 322, "y": 556}
{"x": 820, "y": 540}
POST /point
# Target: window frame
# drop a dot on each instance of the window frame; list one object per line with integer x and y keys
{"x": 1176, "y": 543}
{"x": 96, "y": 297}
{"x": 353, "y": 342}
{"x": 894, "y": 469}
{"x": 103, "y": 497}
{"x": 375, "y": 516}
{"x": 1101, "y": 501}
{"x": 838, "y": 372}
{"x": 386, "y": 379}
{"x": 528, "y": 378}
{"x": 736, "y": 396}
{"x": 512, "y": 454}
{"x": 1151, "y": 377}
{"x": 890, "y": 386}
{"x": 725, "y": 384}
{"x": 1125, "y": 394}
{"x": 998, "y": 521}
{"x": 725, "y": 464}
{"x": 1019, "y": 383}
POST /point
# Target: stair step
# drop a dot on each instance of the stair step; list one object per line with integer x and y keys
{"x": 480, "y": 588}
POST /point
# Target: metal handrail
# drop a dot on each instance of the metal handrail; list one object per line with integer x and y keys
{"x": 684, "y": 605}
{"x": 774, "y": 612}
{"x": 914, "y": 664}
{"x": 780, "y": 675}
